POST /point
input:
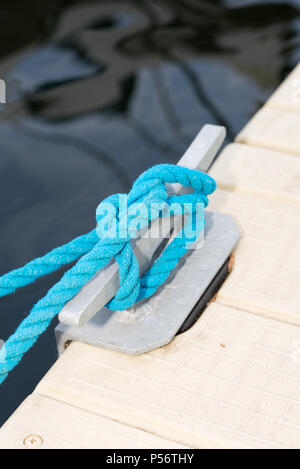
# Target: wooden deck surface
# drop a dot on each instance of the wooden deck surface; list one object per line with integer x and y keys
{"x": 233, "y": 380}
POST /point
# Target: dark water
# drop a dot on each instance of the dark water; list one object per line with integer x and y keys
{"x": 98, "y": 92}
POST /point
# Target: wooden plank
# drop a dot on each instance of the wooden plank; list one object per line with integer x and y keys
{"x": 273, "y": 128}
{"x": 231, "y": 381}
{"x": 43, "y": 423}
{"x": 260, "y": 172}
{"x": 266, "y": 275}
{"x": 287, "y": 96}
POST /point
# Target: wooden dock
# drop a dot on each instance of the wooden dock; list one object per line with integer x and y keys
{"x": 233, "y": 380}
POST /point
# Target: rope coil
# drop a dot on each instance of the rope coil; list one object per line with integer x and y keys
{"x": 111, "y": 239}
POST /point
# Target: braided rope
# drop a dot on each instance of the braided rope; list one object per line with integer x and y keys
{"x": 94, "y": 250}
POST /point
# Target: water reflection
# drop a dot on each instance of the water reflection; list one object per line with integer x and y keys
{"x": 108, "y": 89}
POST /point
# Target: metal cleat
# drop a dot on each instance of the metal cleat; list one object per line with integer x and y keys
{"x": 178, "y": 303}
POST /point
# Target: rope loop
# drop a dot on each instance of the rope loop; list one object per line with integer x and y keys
{"x": 120, "y": 219}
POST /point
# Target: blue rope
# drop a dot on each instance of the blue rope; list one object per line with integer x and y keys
{"x": 116, "y": 227}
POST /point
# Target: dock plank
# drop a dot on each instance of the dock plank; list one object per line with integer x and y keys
{"x": 287, "y": 96}
{"x": 266, "y": 276}
{"x": 273, "y": 128}
{"x": 260, "y": 172}
{"x": 44, "y": 423}
{"x": 232, "y": 381}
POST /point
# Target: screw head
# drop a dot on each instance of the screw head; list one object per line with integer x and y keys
{"x": 33, "y": 441}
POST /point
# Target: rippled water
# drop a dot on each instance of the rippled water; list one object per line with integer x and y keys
{"x": 99, "y": 91}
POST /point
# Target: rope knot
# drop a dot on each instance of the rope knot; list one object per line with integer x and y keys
{"x": 120, "y": 218}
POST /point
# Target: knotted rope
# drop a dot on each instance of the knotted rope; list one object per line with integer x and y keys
{"x": 111, "y": 239}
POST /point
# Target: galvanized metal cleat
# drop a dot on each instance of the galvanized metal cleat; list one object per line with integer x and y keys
{"x": 178, "y": 303}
